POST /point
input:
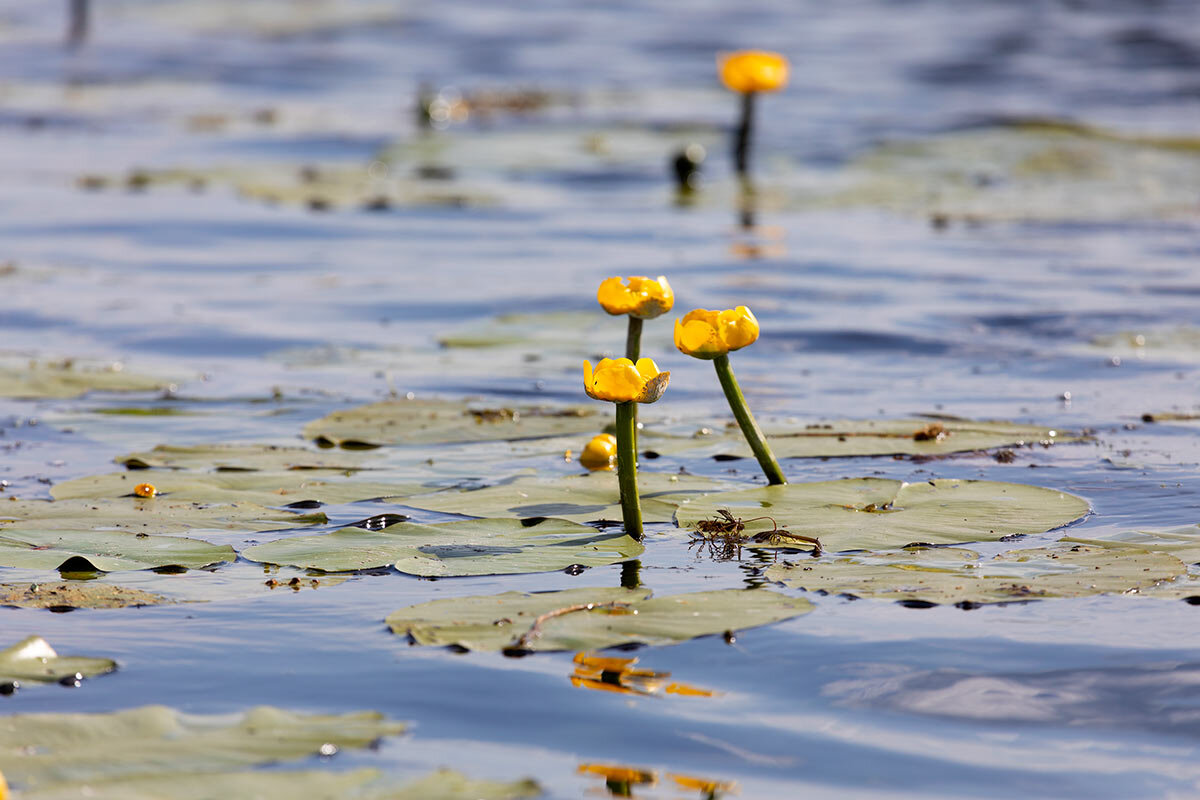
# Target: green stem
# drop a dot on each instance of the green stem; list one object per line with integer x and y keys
{"x": 633, "y": 351}
{"x": 631, "y": 506}
{"x": 754, "y": 435}
{"x": 741, "y": 139}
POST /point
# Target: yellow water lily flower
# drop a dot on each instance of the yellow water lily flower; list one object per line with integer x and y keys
{"x": 753, "y": 71}
{"x": 709, "y": 334}
{"x": 600, "y": 453}
{"x": 145, "y": 490}
{"x": 637, "y": 296}
{"x": 621, "y": 381}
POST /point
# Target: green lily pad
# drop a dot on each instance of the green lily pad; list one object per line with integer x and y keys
{"x": 261, "y": 488}
{"x": 878, "y": 514}
{"x": 410, "y": 422}
{"x": 41, "y": 379}
{"x": 579, "y": 498}
{"x": 106, "y": 551}
{"x": 75, "y": 594}
{"x": 33, "y": 659}
{"x": 243, "y": 458}
{"x": 1183, "y": 543}
{"x": 951, "y": 575}
{"x": 589, "y": 619}
{"x": 462, "y": 547}
{"x": 43, "y": 752}
{"x": 851, "y": 438}
{"x": 147, "y": 515}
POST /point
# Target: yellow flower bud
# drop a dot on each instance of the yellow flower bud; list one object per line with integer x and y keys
{"x": 708, "y": 334}
{"x": 753, "y": 71}
{"x": 622, "y": 381}
{"x": 3, "y": 788}
{"x": 636, "y": 296}
{"x": 600, "y": 453}
{"x": 145, "y": 490}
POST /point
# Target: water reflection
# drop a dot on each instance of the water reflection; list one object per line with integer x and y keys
{"x": 621, "y": 675}
{"x": 621, "y": 781}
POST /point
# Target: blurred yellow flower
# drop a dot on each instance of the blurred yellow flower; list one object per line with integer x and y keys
{"x": 753, "y": 71}
{"x": 708, "y": 334}
{"x": 600, "y": 453}
{"x": 145, "y": 490}
{"x": 637, "y": 296}
{"x": 622, "y": 381}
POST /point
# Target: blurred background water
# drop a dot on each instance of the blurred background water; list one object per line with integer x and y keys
{"x": 969, "y": 209}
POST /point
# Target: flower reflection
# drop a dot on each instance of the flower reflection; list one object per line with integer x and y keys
{"x": 620, "y": 675}
{"x": 621, "y": 780}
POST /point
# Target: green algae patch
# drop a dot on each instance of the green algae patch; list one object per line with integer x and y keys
{"x": 33, "y": 660}
{"x": 579, "y": 498}
{"x": 152, "y": 515}
{"x": 879, "y": 514}
{"x": 462, "y": 547}
{"x": 243, "y": 458}
{"x": 952, "y": 575}
{"x": 412, "y": 422}
{"x": 31, "y": 380}
{"x": 58, "y": 595}
{"x": 589, "y": 619}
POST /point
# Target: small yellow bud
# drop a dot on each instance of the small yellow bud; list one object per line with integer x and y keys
{"x": 636, "y": 296}
{"x": 600, "y": 453}
{"x": 622, "y": 381}
{"x": 707, "y": 334}
{"x": 145, "y": 490}
{"x": 753, "y": 71}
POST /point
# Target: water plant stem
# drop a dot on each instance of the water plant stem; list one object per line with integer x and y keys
{"x": 631, "y": 506}
{"x": 633, "y": 351}
{"x": 741, "y": 141}
{"x": 741, "y": 411}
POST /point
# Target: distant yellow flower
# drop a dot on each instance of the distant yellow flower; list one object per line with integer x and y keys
{"x": 621, "y": 381}
{"x": 145, "y": 490}
{"x": 3, "y": 788}
{"x": 753, "y": 71}
{"x": 600, "y": 453}
{"x": 708, "y": 334}
{"x": 637, "y": 296}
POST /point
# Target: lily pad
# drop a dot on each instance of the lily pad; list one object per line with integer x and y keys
{"x": 243, "y": 458}
{"x": 106, "y": 551}
{"x": 589, "y": 619}
{"x": 1183, "y": 543}
{"x": 462, "y": 547}
{"x": 75, "y": 594}
{"x": 33, "y": 659}
{"x": 262, "y": 488}
{"x": 147, "y": 515}
{"x": 41, "y": 752}
{"x": 410, "y": 422}
{"x": 951, "y": 575}
{"x": 879, "y": 514}
{"x": 42, "y": 379}
{"x": 579, "y": 498}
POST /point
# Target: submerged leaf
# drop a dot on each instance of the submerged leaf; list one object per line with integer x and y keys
{"x": 879, "y": 514}
{"x": 461, "y": 547}
{"x": 239, "y": 457}
{"x": 589, "y": 619}
{"x": 40, "y": 379}
{"x": 33, "y": 659}
{"x": 75, "y": 594}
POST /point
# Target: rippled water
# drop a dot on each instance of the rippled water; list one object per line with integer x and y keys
{"x": 922, "y": 246}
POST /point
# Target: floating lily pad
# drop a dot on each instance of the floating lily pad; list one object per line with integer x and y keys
{"x": 40, "y": 379}
{"x": 243, "y": 458}
{"x": 33, "y": 659}
{"x": 1183, "y": 543}
{"x": 56, "y": 752}
{"x": 147, "y": 515}
{"x": 878, "y": 514}
{"x": 75, "y": 594}
{"x": 261, "y": 488}
{"x": 462, "y": 547}
{"x": 580, "y": 498}
{"x": 588, "y": 619}
{"x": 107, "y": 551}
{"x": 1174, "y": 344}
{"x": 409, "y": 422}
{"x": 952, "y": 575}
{"x": 847, "y": 438}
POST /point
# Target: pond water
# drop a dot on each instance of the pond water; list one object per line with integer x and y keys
{"x": 967, "y": 212}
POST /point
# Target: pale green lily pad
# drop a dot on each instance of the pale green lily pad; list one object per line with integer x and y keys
{"x": 589, "y": 619}
{"x": 409, "y": 422}
{"x": 261, "y": 488}
{"x": 879, "y": 514}
{"x": 75, "y": 594}
{"x": 243, "y": 458}
{"x": 579, "y": 498}
{"x": 575, "y": 331}
{"x": 1183, "y": 543}
{"x": 107, "y": 551}
{"x": 1172, "y": 344}
{"x": 951, "y": 575}
{"x": 850, "y": 438}
{"x": 147, "y": 515}
{"x": 462, "y": 547}
{"x": 41, "y": 379}
{"x": 41, "y": 752}
{"x": 33, "y": 659}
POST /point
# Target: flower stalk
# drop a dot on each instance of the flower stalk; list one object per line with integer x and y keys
{"x": 741, "y": 411}
{"x": 745, "y": 130}
{"x": 631, "y": 507}
{"x": 633, "y": 339}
